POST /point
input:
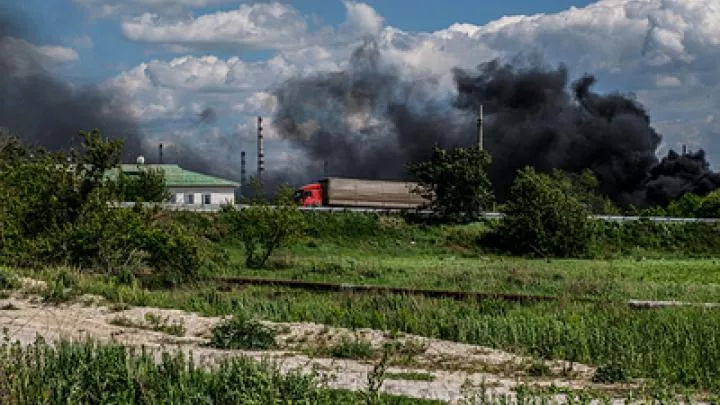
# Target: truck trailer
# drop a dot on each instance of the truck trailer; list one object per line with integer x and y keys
{"x": 343, "y": 192}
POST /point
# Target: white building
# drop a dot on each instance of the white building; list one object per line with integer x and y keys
{"x": 190, "y": 188}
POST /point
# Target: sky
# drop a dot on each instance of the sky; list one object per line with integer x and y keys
{"x": 170, "y": 60}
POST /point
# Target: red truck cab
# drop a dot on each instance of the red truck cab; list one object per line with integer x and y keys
{"x": 309, "y": 195}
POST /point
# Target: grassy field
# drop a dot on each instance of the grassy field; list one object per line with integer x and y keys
{"x": 676, "y": 347}
{"x": 85, "y": 372}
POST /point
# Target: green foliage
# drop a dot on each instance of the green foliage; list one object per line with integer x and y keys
{"x": 687, "y": 239}
{"x": 585, "y": 187}
{"x": 148, "y": 185}
{"x": 89, "y": 373}
{"x": 609, "y": 373}
{"x": 62, "y": 288}
{"x": 244, "y": 333}
{"x": 8, "y": 279}
{"x": 544, "y": 218}
{"x": 455, "y": 182}
{"x": 349, "y": 348}
{"x": 57, "y": 212}
{"x": 263, "y": 228}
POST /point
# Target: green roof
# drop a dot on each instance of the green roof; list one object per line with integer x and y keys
{"x": 175, "y": 176}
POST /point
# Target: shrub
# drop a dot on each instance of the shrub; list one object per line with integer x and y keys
{"x": 609, "y": 373}
{"x": 456, "y": 183}
{"x": 544, "y": 218}
{"x": 349, "y": 348}
{"x": 241, "y": 332}
{"x": 263, "y": 228}
{"x": 8, "y": 279}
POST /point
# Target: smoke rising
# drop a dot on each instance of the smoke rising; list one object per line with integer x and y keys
{"x": 368, "y": 122}
{"x": 44, "y": 110}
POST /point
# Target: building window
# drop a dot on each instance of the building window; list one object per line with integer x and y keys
{"x": 173, "y": 199}
{"x": 206, "y": 199}
{"x": 190, "y": 198}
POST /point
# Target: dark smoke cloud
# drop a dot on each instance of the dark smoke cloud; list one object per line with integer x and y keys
{"x": 533, "y": 117}
{"x": 46, "y": 111}
{"x": 365, "y": 121}
{"x": 207, "y": 116}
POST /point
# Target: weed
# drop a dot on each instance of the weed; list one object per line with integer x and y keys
{"x": 244, "y": 333}
{"x": 539, "y": 369}
{"x": 609, "y": 373}
{"x": 349, "y": 348}
{"x": 410, "y": 376}
{"x": 63, "y": 288}
{"x": 8, "y": 279}
{"x": 87, "y": 372}
{"x": 9, "y": 307}
{"x": 153, "y": 322}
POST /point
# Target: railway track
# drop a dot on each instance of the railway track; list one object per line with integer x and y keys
{"x": 454, "y": 294}
{"x": 488, "y": 215}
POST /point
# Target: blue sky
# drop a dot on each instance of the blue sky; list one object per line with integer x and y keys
{"x": 60, "y": 21}
{"x": 227, "y": 55}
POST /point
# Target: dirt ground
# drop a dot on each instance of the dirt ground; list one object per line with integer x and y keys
{"x": 445, "y": 366}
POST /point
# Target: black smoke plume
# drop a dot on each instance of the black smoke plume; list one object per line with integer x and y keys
{"x": 44, "y": 110}
{"x": 368, "y": 122}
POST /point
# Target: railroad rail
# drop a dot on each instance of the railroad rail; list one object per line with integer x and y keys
{"x": 454, "y": 294}
{"x": 487, "y": 215}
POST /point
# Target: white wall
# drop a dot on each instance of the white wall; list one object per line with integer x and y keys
{"x": 218, "y": 195}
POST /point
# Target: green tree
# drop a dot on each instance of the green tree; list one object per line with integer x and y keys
{"x": 710, "y": 206}
{"x": 262, "y": 228}
{"x": 586, "y": 188}
{"x": 545, "y": 218}
{"x": 455, "y": 182}
{"x": 147, "y": 185}
{"x": 687, "y": 206}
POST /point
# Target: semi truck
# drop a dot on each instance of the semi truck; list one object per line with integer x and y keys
{"x": 344, "y": 192}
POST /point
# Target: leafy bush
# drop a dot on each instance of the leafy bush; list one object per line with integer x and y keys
{"x": 8, "y": 279}
{"x": 609, "y": 373}
{"x": 349, "y": 348}
{"x": 544, "y": 218}
{"x": 456, "y": 183}
{"x": 263, "y": 228}
{"x": 244, "y": 333}
{"x": 57, "y": 212}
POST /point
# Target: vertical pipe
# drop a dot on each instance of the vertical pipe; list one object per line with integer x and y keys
{"x": 260, "y": 151}
{"x": 242, "y": 172}
{"x": 480, "y": 128}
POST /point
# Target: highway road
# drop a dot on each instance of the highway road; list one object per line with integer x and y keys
{"x": 487, "y": 215}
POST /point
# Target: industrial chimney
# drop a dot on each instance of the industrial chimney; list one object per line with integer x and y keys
{"x": 684, "y": 150}
{"x": 161, "y": 153}
{"x": 260, "y": 151}
{"x": 242, "y": 172}
{"x": 480, "y": 128}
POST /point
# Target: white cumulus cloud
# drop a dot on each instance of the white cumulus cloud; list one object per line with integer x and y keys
{"x": 665, "y": 51}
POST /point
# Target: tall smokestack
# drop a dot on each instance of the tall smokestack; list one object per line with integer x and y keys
{"x": 480, "y": 128}
{"x": 160, "y": 153}
{"x": 260, "y": 151}
{"x": 684, "y": 149}
{"x": 242, "y": 172}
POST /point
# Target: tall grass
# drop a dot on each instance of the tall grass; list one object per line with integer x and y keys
{"x": 673, "y": 345}
{"x": 88, "y": 373}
